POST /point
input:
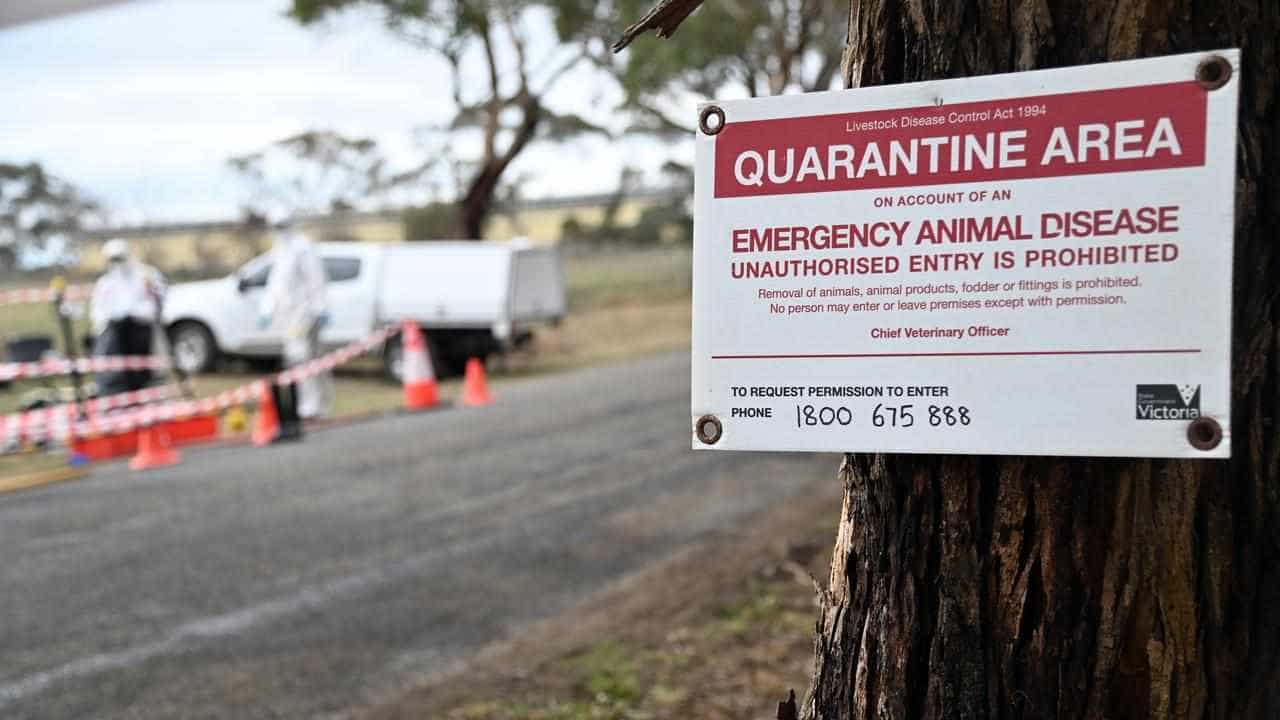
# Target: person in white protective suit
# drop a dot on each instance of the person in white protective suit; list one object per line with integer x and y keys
{"x": 123, "y": 310}
{"x": 294, "y": 304}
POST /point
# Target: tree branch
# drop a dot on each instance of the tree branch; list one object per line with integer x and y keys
{"x": 494, "y": 106}
{"x": 517, "y": 42}
{"x": 664, "y": 18}
{"x": 559, "y": 72}
{"x": 659, "y": 123}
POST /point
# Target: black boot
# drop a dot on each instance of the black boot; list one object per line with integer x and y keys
{"x": 286, "y": 398}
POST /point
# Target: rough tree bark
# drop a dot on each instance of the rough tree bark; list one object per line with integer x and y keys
{"x": 975, "y": 587}
{"x": 477, "y": 202}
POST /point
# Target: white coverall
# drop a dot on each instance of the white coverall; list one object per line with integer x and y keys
{"x": 128, "y": 289}
{"x": 294, "y": 303}
{"x": 122, "y": 312}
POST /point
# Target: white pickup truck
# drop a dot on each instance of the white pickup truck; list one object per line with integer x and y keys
{"x": 472, "y": 298}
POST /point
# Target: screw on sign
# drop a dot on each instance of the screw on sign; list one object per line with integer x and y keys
{"x": 709, "y": 429}
{"x": 1213, "y": 72}
{"x": 711, "y": 119}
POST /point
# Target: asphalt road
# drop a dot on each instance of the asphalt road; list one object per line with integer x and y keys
{"x": 298, "y": 581}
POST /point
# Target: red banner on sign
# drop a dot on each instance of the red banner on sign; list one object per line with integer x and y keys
{"x": 1149, "y": 127}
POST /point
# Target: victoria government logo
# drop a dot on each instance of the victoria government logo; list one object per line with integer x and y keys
{"x": 1168, "y": 402}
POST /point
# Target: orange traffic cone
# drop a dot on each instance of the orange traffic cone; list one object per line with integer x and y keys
{"x": 420, "y": 391}
{"x": 153, "y": 449}
{"x": 266, "y": 425}
{"x": 475, "y": 391}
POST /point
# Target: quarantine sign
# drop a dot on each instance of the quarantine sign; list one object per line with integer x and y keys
{"x": 1037, "y": 263}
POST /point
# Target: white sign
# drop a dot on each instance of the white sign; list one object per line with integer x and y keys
{"x": 1037, "y": 263}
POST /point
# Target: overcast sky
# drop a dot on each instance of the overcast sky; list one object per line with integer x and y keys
{"x": 142, "y": 103}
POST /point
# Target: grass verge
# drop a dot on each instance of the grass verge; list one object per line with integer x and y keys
{"x": 720, "y": 631}
{"x": 28, "y": 470}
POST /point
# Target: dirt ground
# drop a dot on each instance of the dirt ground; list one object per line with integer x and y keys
{"x": 722, "y": 630}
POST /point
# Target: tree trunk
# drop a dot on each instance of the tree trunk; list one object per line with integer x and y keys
{"x": 477, "y": 203}
{"x": 975, "y": 587}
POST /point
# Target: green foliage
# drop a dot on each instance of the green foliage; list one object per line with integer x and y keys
{"x": 667, "y": 220}
{"x": 566, "y": 126}
{"x": 571, "y": 229}
{"x": 766, "y": 47}
{"x": 434, "y": 221}
{"x": 610, "y": 673}
{"x": 703, "y": 56}
{"x": 450, "y": 26}
{"x": 317, "y": 171}
{"x": 763, "y": 611}
{"x": 511, "y": 110}
{"x": 37, "y": 208}
{"x": 439, "y": 23}
{"x": 310, "y": 11}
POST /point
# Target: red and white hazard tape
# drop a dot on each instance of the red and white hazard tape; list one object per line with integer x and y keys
{"x": 61, "y": 366}
{"x": 36, "y": 425}
{"x": 59, "y": 423}
{"x": 337, "y": 357}
{"x": 24, "y": 296}
{"x": 119, "y": 400}
{"x": 231, "y": 398}
{"x": 124, "y": 422}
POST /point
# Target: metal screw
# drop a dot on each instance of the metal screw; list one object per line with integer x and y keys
{"x": 1204, "y": 433}
{"x": 1213, "y": 72}
{"x": 704, "y": 119}
{"x": 708, "y": 429}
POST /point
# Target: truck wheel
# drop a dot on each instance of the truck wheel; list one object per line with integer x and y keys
{"x": 194, "y": 349}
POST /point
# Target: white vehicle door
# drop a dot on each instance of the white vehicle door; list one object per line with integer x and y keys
{"x": 349, "y": 295}
{"x": 251, "y": 283}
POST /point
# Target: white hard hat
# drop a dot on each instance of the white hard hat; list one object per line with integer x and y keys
{"x": 115, "y": 248}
